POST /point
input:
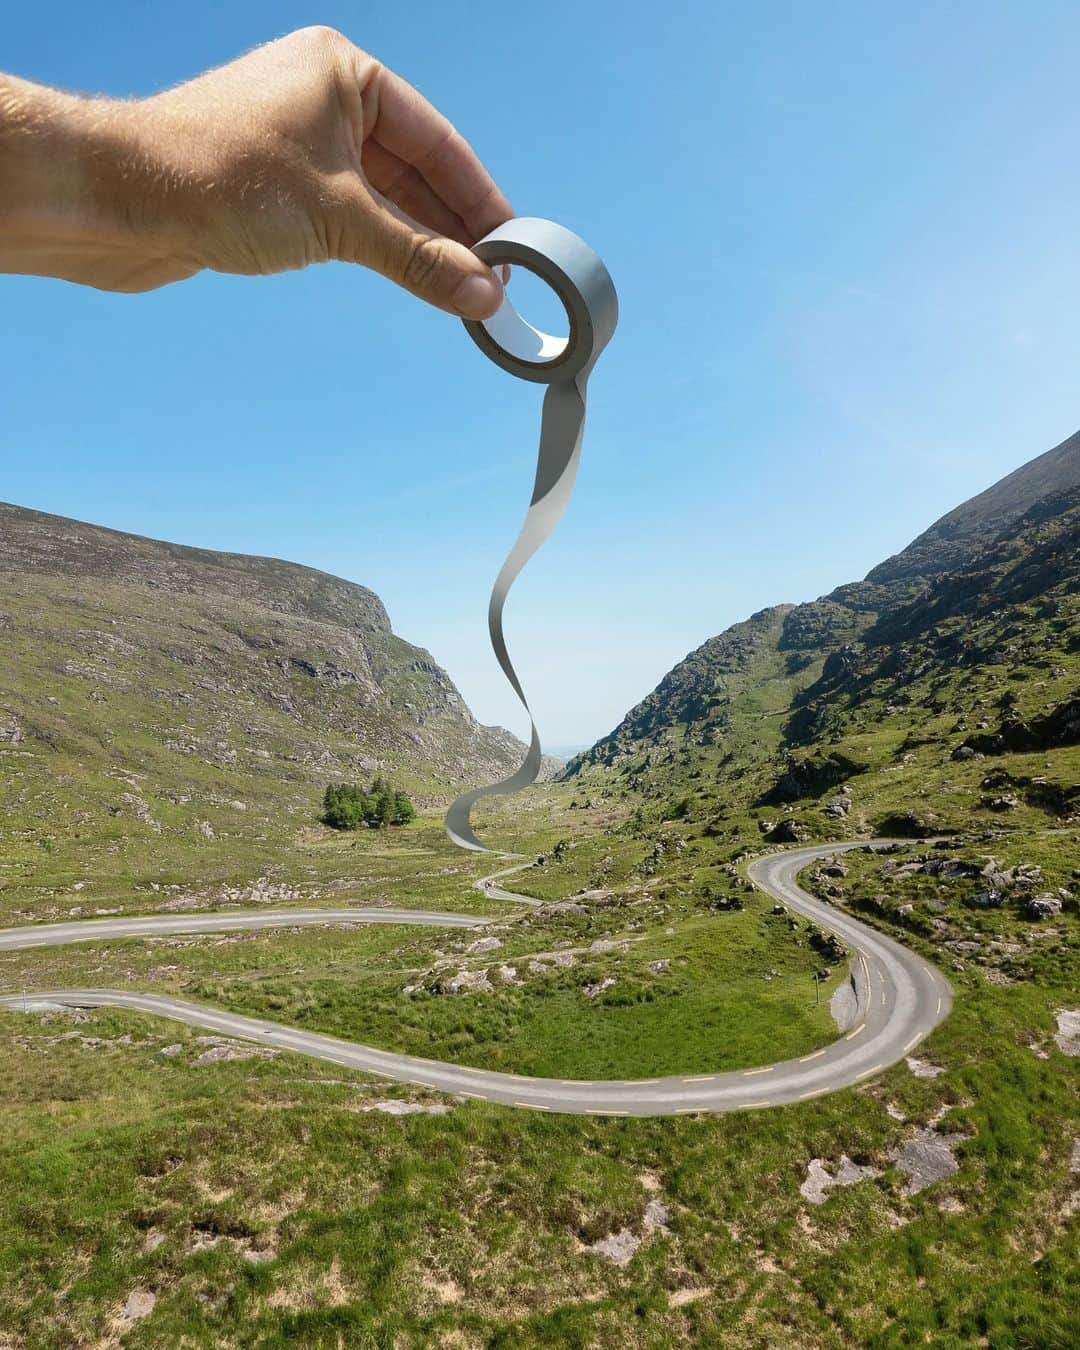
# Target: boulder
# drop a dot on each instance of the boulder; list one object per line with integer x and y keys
{"x": 1045, "y": 906}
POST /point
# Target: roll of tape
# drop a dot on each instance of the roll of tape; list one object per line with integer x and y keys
{"x": 581, "y": 281}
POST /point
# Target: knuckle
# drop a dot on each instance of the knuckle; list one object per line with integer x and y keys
{"x": 423, "y": 264}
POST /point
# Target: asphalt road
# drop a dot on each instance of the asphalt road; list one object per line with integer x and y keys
{"x": 900, "y": 998}
{"x": 160, "y": 925}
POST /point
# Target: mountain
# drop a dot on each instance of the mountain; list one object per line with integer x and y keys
{"x": 170, "y": 689}
{"x": 957, "y": 536}
{"x": 963, "y": 646}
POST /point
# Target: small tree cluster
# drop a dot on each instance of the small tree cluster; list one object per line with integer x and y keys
{"x": 346, "y": 806}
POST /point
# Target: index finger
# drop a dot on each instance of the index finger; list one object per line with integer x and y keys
{"x": 409, "y": 127}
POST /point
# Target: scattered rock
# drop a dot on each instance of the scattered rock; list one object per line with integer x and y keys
{"x": 1067, "y": 1037}
{"x": 393, "y": 1106}
{"x": 564, "y": 959}
{"x": 171, "y": 1051}
{"x": 486, "y": 944}
{"x": 657, "y": 1215}
{"x": 986, "y": 899}
{"x": 140, "y": 1303}
{"x": 594, "y": 990}
{"x": 819, "y": 1180}
{"x": 222, "y": 1050}
{"x": 1045, "y": 906}
{"x": 659, "y": 967}
{"x": 926, "y": 1157}
{"x": 922, "y": 1069}
{"x": 467, "y": 982}
{"x": 838, "y": 807}
{"x": 618, "y": 1248}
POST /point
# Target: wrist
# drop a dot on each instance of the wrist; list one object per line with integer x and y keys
{"x": 76, "y": 180}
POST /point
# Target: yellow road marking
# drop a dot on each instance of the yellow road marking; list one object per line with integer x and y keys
{"x": 747, "y": 1073}
{"x": 701, "y": 1078}
{"x": 597, "y": 1112}
{"x": 533, "y": 1106}
{"x": 917, "y": 1037}
{"x": 883, "y": 996}
{"x": 813, "y": 1056}
{"x": 858, "y": 1030}
{"x": 867, "y": 1072}
{"x": 753, "y": 1106}
{"x": 577, "y": 1082}
{"x": 816, "y": 1093}
{"x": 938, "y": 1005}
{"x": 639, "y": 1082}
{"x": 688, "y": 1110}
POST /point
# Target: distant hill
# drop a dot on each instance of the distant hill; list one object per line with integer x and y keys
{"x": 968, "y": 640}
{"x": 170, "y": 689}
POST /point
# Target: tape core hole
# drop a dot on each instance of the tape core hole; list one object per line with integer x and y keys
{"x": 536, "y": 343}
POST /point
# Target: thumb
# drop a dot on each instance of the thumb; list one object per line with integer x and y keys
{"x": 439, "y": 270}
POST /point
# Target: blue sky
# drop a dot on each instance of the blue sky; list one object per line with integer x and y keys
{"x": 845, "y": 240}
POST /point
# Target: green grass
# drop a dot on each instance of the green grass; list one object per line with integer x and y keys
{"x": 467, "y": 1228}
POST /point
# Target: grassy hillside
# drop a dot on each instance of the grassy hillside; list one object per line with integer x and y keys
{"x": 908, "y": 704}
{"x": 161, "y": 703}
{"x": 160, "y": 1188}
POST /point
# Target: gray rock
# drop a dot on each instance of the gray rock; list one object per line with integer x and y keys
{"x": 926, "y": 1157}
{"x": 394, "y": 1106}
{"x": 657, "y": 1215}
{"x": 467, "y": 982}
{"x": 819, "y": 1180}
{"x": 487, "y": 944}
{"x": 1045, "y": 906}
{"x": 618, "y": 1248}
{"x": 921, "y": 1068}
{"x": 140, "y": 1303}
{"x": 1067, "y": 1036}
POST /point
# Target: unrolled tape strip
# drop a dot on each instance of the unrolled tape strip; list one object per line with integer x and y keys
{"x": 582, "y": 283}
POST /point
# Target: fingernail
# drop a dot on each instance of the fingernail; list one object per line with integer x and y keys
{"x": 477, "y": 297}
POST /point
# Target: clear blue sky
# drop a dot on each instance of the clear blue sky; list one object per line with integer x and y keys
{"x": 845, "y": 239}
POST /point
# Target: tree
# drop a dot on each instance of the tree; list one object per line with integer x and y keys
{"x": 347, "y": 806}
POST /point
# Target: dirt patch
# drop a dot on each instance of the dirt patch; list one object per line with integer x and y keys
{"x": 683, "y": 1296}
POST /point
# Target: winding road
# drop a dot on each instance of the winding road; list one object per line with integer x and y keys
{"x": 899, "y": 998}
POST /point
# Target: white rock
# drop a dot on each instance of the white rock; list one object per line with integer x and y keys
{"x": 618, "y": 1248}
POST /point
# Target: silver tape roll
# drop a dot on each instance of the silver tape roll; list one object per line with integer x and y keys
{"x": 581, "y": 281}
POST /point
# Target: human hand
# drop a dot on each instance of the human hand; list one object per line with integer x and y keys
{"x": 302, "y": 151}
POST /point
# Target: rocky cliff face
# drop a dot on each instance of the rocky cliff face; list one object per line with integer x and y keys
{"x": 133, "y": 666}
